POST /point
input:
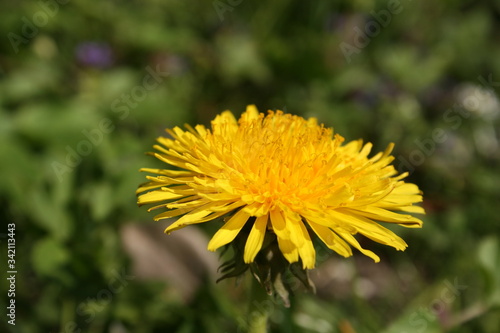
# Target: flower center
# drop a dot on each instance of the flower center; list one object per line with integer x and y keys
{"x": 275, "y": 159}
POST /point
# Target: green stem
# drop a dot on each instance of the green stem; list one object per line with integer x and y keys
{"x": 259, "y": 308}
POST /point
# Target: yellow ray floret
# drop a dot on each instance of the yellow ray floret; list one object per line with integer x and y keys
{"x": 280, "y": 174}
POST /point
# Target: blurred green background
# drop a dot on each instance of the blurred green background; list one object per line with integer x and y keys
{"x": 87, "y": 86}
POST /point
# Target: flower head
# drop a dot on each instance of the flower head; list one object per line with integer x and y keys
{"x": 284, "y": 175}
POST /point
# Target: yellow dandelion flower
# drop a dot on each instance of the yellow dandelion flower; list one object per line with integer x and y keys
{"x": 284, "y": 175}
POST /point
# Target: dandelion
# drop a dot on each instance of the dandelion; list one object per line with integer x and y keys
{"x": 279, "y": 176}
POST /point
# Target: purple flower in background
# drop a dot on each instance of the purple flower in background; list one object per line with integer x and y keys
{"x": 94, "y": 54}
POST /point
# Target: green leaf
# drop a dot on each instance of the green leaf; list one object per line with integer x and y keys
{"x": 489, "y": 258}
{"x": 488, "y": 254}
{"x": 48, "y": 215}
{"x": 48, "y": 255}
{"x": 101, "y": 200}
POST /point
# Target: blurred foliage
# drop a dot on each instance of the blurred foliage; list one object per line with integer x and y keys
{"x": 84, "y": 91}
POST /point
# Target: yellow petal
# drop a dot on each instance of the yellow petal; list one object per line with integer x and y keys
{"x": 341, "y": 195}
{"x": 148, "y": 186}
{"x": 292, "y": 221}
{"x": 256, "y": 209}
{"x": 366, "y": 149}
{"x": 255, "y": 239}
{"x": 171, "y": 160}
{"x": 401, "y": 200}
{"x": 171, "y": 213}
{"x": 251, "y": 113}
{"x": 332, "y": 240}
{"x": 169, "y": 173}
{"x": 288, "y": 249}
{"x": 156, "y": 196}
{"x": 192, "y": 203}
{"x": 307, "y": 252}
{"x": 300, "y": 237}
{"x": 351, "y": 240}
{"x": 412, "y": 209}
{"x": 380, "y": 214}
{"x": 286, "y": 246}
{"x": 372, "y": 230}
{"x": 229, "y": 230}
{"x": 225, "y": 117}
{"x": 329, "y": 221}
{"x": 407, "y": 189}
